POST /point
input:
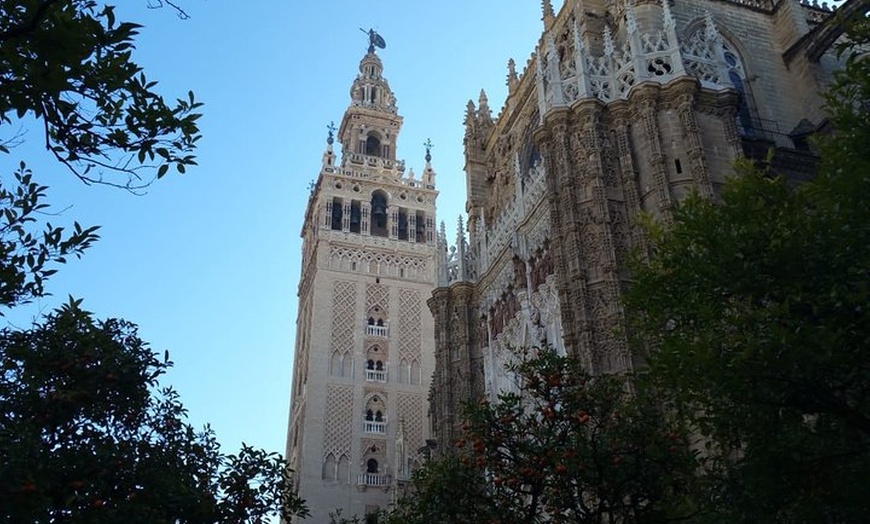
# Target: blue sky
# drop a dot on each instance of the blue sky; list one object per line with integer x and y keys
{"x": 207, "y": 263}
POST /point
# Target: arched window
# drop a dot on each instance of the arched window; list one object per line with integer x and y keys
{"x": 380, "y": 322}
{"x": 373, "y": 145}
{"x": 355, "y": 216}
{"x": 379, "y": 214}
{"x": 372, "y": 466}
{"x": 370, "y": 364}
{"x": 337, "y": 213}
{"x": 379, "y": 417}
{"x": 370, "y": 415}
{"x": 371, "y": 321}
{"x": 736, "y": 76}
{"x": 329, "y": 468}
{"x": 379, "y": 366}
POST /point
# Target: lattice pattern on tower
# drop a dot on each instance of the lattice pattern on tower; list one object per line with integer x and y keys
{"x": 409, "y": 325}
{"x": 378, "y": 295}
{"x": 343, "y": 315}
{"x": 410, "y": 408}
{"x": 338, "y": 421}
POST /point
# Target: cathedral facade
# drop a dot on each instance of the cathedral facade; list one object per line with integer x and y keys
{"x": 624, "y": 107}
{"x": 364, "y": 350}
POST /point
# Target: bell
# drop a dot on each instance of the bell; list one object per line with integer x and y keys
{"x": 379, "y": 210}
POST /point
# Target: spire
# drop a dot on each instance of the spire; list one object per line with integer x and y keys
{"x": 470, "y": 117}
{"x": 483, "y": 112}
{"x": 710, "y": 28}
{"x": 608, "y": 42}
{"x": 549, "y": 17}
{"x": 512, "y": 74}
{"x": 441, "y": 257}
{"x": 539, "y": 82}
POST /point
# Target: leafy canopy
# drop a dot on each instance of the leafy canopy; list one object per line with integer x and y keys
{"x": 87, "y": 434}
{"x": 69, "y": 64}
{"x": 753, "y": 313}
{"x": 563, "y": 447}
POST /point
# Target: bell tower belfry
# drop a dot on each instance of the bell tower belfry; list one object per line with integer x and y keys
{"x": 364, "y": 351}
{"x": 371, "y": 124}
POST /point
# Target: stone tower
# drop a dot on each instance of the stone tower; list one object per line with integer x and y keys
{"x": 364, "y": 352}
{"x": 624, "y": 107}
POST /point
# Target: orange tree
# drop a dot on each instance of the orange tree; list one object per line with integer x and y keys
{"x": 87, "y": 435}
{"x": 564, "y": 447}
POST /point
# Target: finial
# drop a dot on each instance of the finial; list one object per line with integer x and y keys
{"x": 608, "y": 42}
{"x": 631, "y": 21}
{"x": 375, "y": 40}
{"x": 512, "y": 72}
{"x": 331, "y": 137}
{"x": 666, "y": 14}
{"x": 549, "y": 17}
{"x": 711, "y": 33}
{"x": 482, "y": 101}
{"x": 428, "y": 145}
{"x": 547, "y": 6}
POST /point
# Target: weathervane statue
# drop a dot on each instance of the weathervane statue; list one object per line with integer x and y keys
{"x": 375, "y": 40}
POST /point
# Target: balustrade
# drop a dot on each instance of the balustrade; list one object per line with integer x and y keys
{"x": 373, "y": 479}
{"x": 377, "y": 331}
{"x": 372, "y": 426}
{"x": 376, "y": 375}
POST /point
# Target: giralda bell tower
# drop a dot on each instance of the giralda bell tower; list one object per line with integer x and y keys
{"x": 364, "y": 336}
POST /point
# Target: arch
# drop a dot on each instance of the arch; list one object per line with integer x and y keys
{"x": 330, "y": 467}
{"x": 414, "y": 374}
{"x": 373, "y": 403}
{"x": 355, "y": 216}
{"x": 337, "y": 213}
{"x": 379, "y": 205}
{"x": 373, "y": 144}
{"x": 372, "y": 466}
{"x": 722, "y": 65}
{"x": 404, "y": 372}
{"x": 343, "y": 469}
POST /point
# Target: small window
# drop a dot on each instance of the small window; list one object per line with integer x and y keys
{"x": 372, "y": 466}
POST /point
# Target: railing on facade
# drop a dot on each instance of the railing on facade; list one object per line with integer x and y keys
{"x": 373, "y": 479}
{"x": 377, "y": 331}
{"x": 376, "y": 375}
{"x": 376, "y": 161}
{"x": 373, "y": 426}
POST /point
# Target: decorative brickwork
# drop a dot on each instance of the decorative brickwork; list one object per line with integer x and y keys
{"x": 338, "y": 428}
{"x": 410, "y": 410}
{"x": 410, "y": 307}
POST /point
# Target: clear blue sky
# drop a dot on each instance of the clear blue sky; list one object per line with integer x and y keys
{"x": 207, "y": 263}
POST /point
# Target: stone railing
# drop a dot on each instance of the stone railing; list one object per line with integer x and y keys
{"x": 375, "y": 427}
{"x": 373, "y": 480}
{"x": 376, "y": 375}
{"x": 378, "y": 331}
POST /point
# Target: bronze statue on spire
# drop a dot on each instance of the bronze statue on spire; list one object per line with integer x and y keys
{"x": 375, "y": 40}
